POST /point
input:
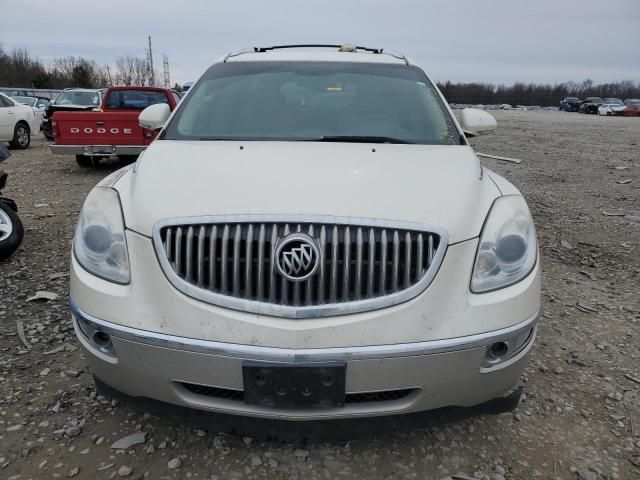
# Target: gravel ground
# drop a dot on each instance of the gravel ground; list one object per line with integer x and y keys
{"x": 578, "y": 418}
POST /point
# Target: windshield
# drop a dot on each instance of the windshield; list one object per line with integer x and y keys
{"x": 72, "y": 97}
{"x": 317, "y": 101}
{"x": 134, "y": 99}
{"x": 26, "y": 101}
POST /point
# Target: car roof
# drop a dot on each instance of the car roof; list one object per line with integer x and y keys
{"x": 302, "y": 55}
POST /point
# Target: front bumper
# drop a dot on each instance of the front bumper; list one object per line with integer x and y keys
{"x": 98, "y": 150}
{"x": 207, "y": 375}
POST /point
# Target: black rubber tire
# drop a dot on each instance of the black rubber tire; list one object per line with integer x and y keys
{"x": 19, "y": 140}
{"x": 128, "y": 158}
{"x": 84, "y": 161}
{"x": 13, "y": 241}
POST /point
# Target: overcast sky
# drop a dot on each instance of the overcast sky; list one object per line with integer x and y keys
{"x": 500, "y": 41}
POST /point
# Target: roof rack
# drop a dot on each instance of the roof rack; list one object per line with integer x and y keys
{"x": 318, "y": 45}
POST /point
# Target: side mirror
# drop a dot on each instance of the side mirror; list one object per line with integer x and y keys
{"x": 476, "y": 122}
{"x": 154, "y": 116}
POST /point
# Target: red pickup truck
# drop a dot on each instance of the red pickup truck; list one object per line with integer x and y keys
{"x": 113, "y": 130}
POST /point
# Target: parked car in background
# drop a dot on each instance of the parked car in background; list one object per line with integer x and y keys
{"x": 570, "y": 104}
{"x": 613, "y": 101}
{"x": 17, "y": 122}
{"x": 505, "y": 106}
{"x": 113, "y": 130}
{"x": 590, "y": 105}
{"x": 71, "y": 100}
{"x": 310, "y": 237}
{"x": 631, "y": 107}
{"x": 38, "y": 105}
{"x": 611, "y": 109}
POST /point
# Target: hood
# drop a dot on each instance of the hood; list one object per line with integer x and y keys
{"x": 436, "y": 185}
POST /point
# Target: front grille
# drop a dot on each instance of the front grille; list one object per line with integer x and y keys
{"x": 228, "y": 261}
{"x": 214, "y": 392}
{"x": 350, "y": 398}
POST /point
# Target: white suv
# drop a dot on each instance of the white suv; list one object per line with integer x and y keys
{"x": 309, "y": 237}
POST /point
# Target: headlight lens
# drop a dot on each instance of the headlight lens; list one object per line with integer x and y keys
{"x": 99, "y": 243}
{"x": 508, "y": 248}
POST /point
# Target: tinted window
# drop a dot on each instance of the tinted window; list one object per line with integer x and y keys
{"x": 313, "y": 101}
{"x": 6, "y": 102}
{"x": 72, "y": 97}
{"x": 26, "y": 101}
{"x": 134, "y": 99}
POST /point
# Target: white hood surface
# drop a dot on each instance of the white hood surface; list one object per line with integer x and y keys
{"x": 436, "y": 185}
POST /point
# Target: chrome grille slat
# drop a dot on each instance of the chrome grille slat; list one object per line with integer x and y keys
{"x": 358, "y": 272}
{"x": 372, "y": 262}
{"x": 189, "y": 259}
{"x": 346, "y": 264}
{"x": 213, "y": 259}
{"x": 407, "y": 260}
{"x": 323, "y": 263}
{"x": 248, "y": 262}
{"x": 395, "y": 266}
{"x": 224, "y": 259}
{"x": 260, "y": 266}
{"x": 234, "y": 261}
{"x": 177, "y": 254}
{"x": 272, "y": 273}
{"x": 200, "y": 260}
{"x": 333, "y": 287}
{"x": 382, "y": 279}
{"x": 284, "y": 284}
{"x": 419, "y": 255}
{"x": 309, "y": 283}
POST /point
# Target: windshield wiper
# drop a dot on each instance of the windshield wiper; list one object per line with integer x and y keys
{"x": 360, "y": 139}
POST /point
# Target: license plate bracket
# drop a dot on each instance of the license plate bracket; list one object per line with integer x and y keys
{"x": 300, "y": 386}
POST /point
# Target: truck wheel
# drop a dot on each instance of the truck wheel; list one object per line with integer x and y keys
{"x": 128, "y": 158}
{"x": 21, "y": 136}
{"x": 84, "y": 161}
{"x": 11, "y": 231}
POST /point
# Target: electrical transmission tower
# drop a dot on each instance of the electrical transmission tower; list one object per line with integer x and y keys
{"x": 165, "y": 68}
{"x": 152, "y": 72}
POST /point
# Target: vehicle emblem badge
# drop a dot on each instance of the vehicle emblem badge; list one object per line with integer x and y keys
{"x": 297, "y": 257}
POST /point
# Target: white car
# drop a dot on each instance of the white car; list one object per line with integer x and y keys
{"x": 38, "y": 105}
{"x": 310, "y": 237}
{"x": 17, "y": 122}
{"x": 611, "y": 109}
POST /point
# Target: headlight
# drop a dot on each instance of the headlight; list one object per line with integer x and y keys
{"x": 507, "y": 251}
{"x": 100, "y": 244}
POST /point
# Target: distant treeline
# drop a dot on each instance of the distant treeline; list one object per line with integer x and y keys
{"x": 534, "y": 93}
{"x": 19, "y": 69}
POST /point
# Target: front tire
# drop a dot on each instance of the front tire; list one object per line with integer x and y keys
{"x": 11, "y": 231}
{"x": 21, "y": 136}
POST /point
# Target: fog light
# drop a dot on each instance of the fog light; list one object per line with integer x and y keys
{"x": 507, "y": 348}
{"x": 101, "y": 340}
{"x": 96, "y": 338}
{"x": 498, "y": 350}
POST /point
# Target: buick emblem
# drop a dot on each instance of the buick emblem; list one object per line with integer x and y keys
{"x": 297, "y": 257}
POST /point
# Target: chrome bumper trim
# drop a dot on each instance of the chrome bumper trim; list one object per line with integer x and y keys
{"x": 90, "y": 150}
{"x": 303, "y": 355}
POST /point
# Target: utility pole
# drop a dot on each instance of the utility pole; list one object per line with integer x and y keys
{"x": 109, "y": 76}
{"x": 152, "y": 74}
{"x": 165, "y": 68}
